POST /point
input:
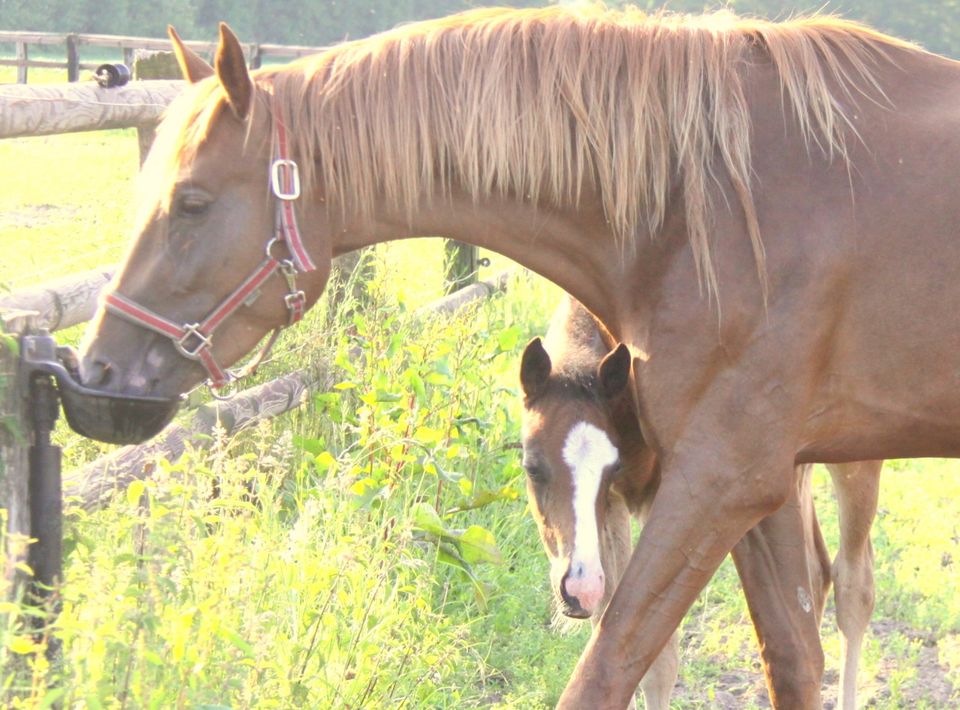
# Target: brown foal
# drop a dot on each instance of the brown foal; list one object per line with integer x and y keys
{"x": 589, "y": 469}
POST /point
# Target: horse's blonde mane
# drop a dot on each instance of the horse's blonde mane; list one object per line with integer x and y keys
{"x": 544, "y": 104}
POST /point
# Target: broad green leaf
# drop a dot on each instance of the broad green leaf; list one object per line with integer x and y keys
{"x": 324, "y": 460}
{"x": 508, "y": 338}
{"x": 311, "y": 446}
{"x": 135, "y": 492}
{"x": 426, "y": 518}
{"x": 428, "y": 435}
{"x": 478, "y": 544}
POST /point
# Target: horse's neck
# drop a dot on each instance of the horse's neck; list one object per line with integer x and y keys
{"x": 574, "y": 248}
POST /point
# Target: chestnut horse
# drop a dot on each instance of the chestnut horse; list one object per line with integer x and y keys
{"x": 762, "y": 212}
{"x": 589, "y": 469}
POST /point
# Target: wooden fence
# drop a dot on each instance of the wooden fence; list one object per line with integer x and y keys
{"x": 73, "y": 43}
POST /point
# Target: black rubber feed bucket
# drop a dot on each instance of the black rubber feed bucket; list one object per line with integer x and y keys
{"x": 110, "y": 417}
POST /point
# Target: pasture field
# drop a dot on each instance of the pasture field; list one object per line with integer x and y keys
{"x": 373, "y": 549}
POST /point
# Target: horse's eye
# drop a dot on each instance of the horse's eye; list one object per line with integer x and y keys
{"x": 192, "y": 205}
{"x": 536, "y": 472}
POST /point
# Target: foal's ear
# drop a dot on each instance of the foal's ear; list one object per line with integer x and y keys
{"x": 232, "y": 72}
{"x": 614, "y": 372}
{"x": 534, "y": 368}
{"x": 192, "y": 66}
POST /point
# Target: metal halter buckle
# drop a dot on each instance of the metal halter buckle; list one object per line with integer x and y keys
{"x": 192, "y": 330}
{"x": 277, "y": 182}
{"x": 295, "y": 300}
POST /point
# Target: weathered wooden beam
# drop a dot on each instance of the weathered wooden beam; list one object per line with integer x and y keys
{"x": 473, "y": 292}
{"x": 45, "y": 109}
{"x": 96, "y": 483}
{"x": 14, "y": 446}
{"x": 58, "y": 304}
{"x": 33, "y": 37}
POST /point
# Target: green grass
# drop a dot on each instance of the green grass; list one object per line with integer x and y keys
{"x": 373, "y": 549}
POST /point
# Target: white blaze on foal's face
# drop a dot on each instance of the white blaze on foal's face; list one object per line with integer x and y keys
{"x": 587, "y": 451}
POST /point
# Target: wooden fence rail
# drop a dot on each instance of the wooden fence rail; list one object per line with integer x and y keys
{"x": 48, "y": 109}
{"x": 256, "y": 53}
{"x": 59, "y": 304}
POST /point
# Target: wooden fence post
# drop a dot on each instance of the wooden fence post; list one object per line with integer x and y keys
{"x": 73, "y": 58}
{"x": 14, "y": 448}
{"x": 256, "y": 57}
{"x": 22, "y": 56}
{"x": 152, "y": 65}
{"x": 461, "y": 262}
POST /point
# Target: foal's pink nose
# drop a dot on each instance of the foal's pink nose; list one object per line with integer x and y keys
{"x": 582, "y": 588}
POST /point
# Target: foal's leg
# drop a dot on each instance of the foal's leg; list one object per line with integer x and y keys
{"x": 857, "y": 488}
{"x": 708, "y": 499}
{"x": 785, "y": 572}
{"x": 658, "y": 682}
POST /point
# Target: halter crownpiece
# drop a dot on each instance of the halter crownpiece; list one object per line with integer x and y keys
{"x": 194, "y": 341}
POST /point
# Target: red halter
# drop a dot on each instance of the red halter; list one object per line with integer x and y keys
{"x": 194, "y": 340}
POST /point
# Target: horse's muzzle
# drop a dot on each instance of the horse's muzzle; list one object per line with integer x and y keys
{"x": 111, "y": 417}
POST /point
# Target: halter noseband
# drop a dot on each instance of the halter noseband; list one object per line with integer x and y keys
{"x": 194, "y": 341}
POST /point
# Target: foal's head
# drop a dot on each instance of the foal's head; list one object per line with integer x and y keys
{"x": 579, "y": 438}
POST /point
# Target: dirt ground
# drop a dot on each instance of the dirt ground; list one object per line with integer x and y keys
{"x": 928, "y": 686}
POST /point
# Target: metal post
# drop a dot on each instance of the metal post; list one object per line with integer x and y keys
{"x": 46, "y": 504}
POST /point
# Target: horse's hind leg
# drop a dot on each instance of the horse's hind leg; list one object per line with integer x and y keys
{"x": 857, "y": 489}
{"x": 785, "y": 571}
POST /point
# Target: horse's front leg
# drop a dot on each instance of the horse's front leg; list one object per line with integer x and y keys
{"x": 785, "y": 572}
{"x": 709, "y": 497}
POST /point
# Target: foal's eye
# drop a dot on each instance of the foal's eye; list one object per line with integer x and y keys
{"x": 536, "y": 472}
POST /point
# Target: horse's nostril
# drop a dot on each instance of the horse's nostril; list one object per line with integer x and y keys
{"x": 98, "y": 373}
{"x": 571, "y": 605}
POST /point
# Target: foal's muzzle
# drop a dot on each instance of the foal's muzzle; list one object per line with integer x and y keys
{"x": 569, "y": 605}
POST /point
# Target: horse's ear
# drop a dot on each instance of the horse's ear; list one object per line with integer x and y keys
{"x": 534, "y": 368}
{"x": 614, "y": 372}
{"x": 192, "y": 66}
{"x": 232, "y": 72}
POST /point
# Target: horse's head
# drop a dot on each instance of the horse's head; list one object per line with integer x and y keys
{"x": 218, "y": 260}
{"x": 572, "y": 447}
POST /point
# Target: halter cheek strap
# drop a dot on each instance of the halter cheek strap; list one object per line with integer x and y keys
{"x": 195, "y": 340}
